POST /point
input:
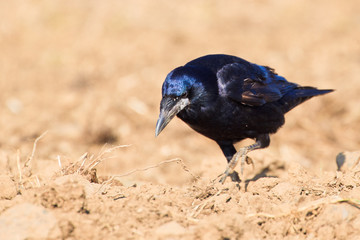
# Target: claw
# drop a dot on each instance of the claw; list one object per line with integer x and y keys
{"x": 225, "y": 174}
{"x": 249, "y": 161}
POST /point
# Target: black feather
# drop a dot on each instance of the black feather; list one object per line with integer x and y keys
{"x": 231, "y": 99}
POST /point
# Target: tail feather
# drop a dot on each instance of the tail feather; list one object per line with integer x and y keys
{"x": 300, "y": 95}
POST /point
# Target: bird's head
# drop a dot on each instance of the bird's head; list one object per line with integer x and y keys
{"x": 183, "y": 87}
{"x": 177, "y": 94}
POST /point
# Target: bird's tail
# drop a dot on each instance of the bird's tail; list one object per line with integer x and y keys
{"x": 300, "y": 95}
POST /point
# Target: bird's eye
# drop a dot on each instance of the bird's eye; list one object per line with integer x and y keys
{"x": 184, "y": 95}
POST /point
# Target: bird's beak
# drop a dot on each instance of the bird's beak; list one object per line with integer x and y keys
{"x": 169, "y": 107}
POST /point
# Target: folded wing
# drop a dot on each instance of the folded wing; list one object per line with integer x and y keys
{"x": 252, "y": 85}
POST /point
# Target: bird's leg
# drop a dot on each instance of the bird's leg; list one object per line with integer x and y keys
{"x": 229, "y": 151}
{"x": 261, "y": 142}
{"x": 241, "y": 153}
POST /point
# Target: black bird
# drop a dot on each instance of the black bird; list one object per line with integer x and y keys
{"x": 229, "y": 99}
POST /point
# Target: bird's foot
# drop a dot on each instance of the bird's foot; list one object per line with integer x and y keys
{"x": 232, "y": 164}
{"x": 234, "y": 176}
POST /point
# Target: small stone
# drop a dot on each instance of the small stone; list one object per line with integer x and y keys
{"x": 348, "y": 161}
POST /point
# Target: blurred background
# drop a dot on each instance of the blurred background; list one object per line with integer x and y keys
{"x": 90, "y": 73}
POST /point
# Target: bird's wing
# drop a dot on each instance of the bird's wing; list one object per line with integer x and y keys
{"x": 251, "y": 84}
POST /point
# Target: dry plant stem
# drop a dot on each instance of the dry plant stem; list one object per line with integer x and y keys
{"x": 100, "y": 158}
{"x": 98, "y": 162}
{"x": 87, "y": 162}
{"x": 37, "y": 181}
{"x": 177, "y": 160}
{"x": 28, "y": 161}
{"x": 149, "y": 167}
{"x": 18, "y": 165}
{"x": 59, "y": 161}
{"x": 198, "y": 208}
{"x": 83, "y": 159}
{"x": 60, "y": 165}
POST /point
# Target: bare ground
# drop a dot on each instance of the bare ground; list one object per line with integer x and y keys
{"x": 81, "y": 87}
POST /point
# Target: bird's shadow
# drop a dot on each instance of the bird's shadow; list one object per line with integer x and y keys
{"x": 261, "y": 174}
